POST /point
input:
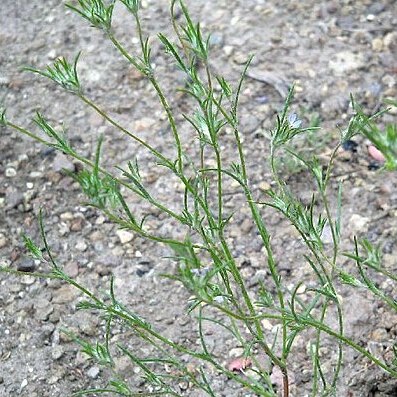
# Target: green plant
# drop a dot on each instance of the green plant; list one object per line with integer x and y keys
{"x": 219, "y": 289}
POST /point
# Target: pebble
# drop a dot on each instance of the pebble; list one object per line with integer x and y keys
{"x": 53, "y": 380}
{"x": 66, "y": 216}
{"x": 93, "y": 372}
{"x": 52, "y": 54}
{"x": 376, "y": 8}
{"x": 100, "y": 220}
{"x": 377, "y": 44}
{"x": 43, "y": 309}
{"x": 64, "y": 294}
{"x": 87, "y": 324}
{"x": 259, "y": 276}
{"x": 390, "y": 41}
{"x": 57, "y": 352}
{"x": 228, "y": 50}
{"x": 266, "y": 324}
{"x": 61, "y": 162}
{"x": 10, "y": 172}
{"x": 27, "y": 198}
{"x": 375, "y": 153}
{"x": 264, "y": 186}
{"x": 77, "y": 224}
{"x": 345, "y": 62}
{"x": 72, "y": 269}
{"x": 358, "y": 224}
{"x": 123, "y": 366}
{"x": 118, "y": 251}
{"x": 236, "y": 352}
{"x": 81, "y": 246}
{"x": 246, "y": 226}
{"x": 13, "y": 198}
{"x": 64, "y": 229}
{"x": 96, "y": 236}
{"x": 143, "y": 124}
{"x": 102, "y": 270}
{"x": 332, "y": 6}
{"x": 3, "y": 240}
{"x": 36, "y": 174}
{"x": 28, "y": 280}
{"x": 379, "y": 335}
{"x": 23, "y": 385}
{"x": 124, "y": 236}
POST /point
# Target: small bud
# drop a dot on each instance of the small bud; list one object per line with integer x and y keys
{"x": 219, "y": 299}
{"x": 3, "y": 120}
{"x": 201, "y": 272}
{"x": 293, "y": 121}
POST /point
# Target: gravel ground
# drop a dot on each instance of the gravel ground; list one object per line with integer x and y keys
{"x": 328, "y": 48}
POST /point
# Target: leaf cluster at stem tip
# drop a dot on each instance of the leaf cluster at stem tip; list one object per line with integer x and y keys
{"x": 96, "y": 12}
{"x": 63, "y": 73}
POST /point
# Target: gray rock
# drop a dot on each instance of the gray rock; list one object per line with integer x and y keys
{"x": 72, "y": 269}
{"x": 124, "y": 236}
{"x": 81, "y": 246}
{"x": 65, "y": 294}
{"x": 93, "y": 372}
{"x": 62, "y": 162}
{"x": 57, "y": 352}
{"x": 43, "y": 309}
{"x": 390, "y": 41}
{"x": 14, "y": 197}
{"x": 123, "y": 366}
{"x": 346, "y": 62}
{"x": 88, "y": 324}
{"x": 26, "y": 265}
{"x": 376, "y": 8}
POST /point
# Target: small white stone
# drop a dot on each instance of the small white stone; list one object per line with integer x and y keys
{"x": 52, "y": 54}
{"x": 236, "y": 352}
{"x": 66, "y": 216}
{"x": 29, "y": 185}
{"x": 264, "y": 186}
{"x": 28, "y": 280}
{"x": 81, "y": 246}
{"x": 228, "y": 50}
{"x": 358, "y": 224}
{"x": 124, "y": 236}
{"x": 36, "y": 174}
{"x": 23, "y": 384}
{"x": 93, "y": 372}
{"x": 100, "y": 220}
{"x": 266, "y": 324}
{"x": 23, "y": 157}
{"x": 11, "y": 172}
{"x": 63, "y": 228}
